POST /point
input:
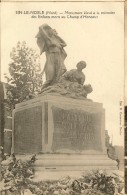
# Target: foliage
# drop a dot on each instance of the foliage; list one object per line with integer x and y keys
{"x": 16, "y": 174}
{"x": 25, "y": 79}
{"x": 100, "y": 180}
{"x": 62, "y": 187}
{"x": 17, "y": 180}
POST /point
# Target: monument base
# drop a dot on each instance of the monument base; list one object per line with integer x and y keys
{"x": 66, "y": 134}
{"x": 71, "y": 162}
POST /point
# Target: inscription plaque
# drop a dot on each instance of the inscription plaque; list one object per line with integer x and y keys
{"x": 28, "y": 130}
{"x": 76, "y": 130}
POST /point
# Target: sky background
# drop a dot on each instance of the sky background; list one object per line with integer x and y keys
{"x": 100, "y": 42}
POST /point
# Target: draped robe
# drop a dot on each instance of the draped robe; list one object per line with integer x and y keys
{"x": 52, "y": 45}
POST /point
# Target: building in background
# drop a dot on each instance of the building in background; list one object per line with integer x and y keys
{"x": 115, "y": 152}
{"x": 125, "y": 130}
{"x": 1, "y": 114}
{"x": 5, "y": 120}
{"x": 125, "y": 147}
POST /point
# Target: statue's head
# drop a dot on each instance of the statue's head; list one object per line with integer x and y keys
{"x": 81, "y": 65}
{"x": 44, "y": 29}
{"x": 49, "y": 30}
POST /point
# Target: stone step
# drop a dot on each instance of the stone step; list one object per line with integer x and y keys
{"x": 57, "y": 162}
{"x": 74, "y": 168}
{"x": 74, "y": 162}
{"x": 64, "y": 156}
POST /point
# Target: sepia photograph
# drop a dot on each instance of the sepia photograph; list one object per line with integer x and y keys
{"x": 62, "y": 104}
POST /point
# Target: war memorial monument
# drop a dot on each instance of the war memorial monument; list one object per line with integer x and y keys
{"x": 61, "y": 125}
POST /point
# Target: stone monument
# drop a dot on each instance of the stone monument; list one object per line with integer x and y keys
{"x": 61, "y": 125}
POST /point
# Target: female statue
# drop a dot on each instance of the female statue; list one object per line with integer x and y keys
{"x": 76, "y": 75}
{"x": 50, "y": 43}
{"x": 71, "y": 84}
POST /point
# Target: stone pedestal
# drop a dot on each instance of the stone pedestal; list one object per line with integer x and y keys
{"x": 68, "y": 134}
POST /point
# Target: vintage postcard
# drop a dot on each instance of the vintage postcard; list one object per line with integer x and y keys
{"x": 62, "y": 98}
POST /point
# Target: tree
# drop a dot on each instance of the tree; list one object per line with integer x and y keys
{"x": 25, "y": 79}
